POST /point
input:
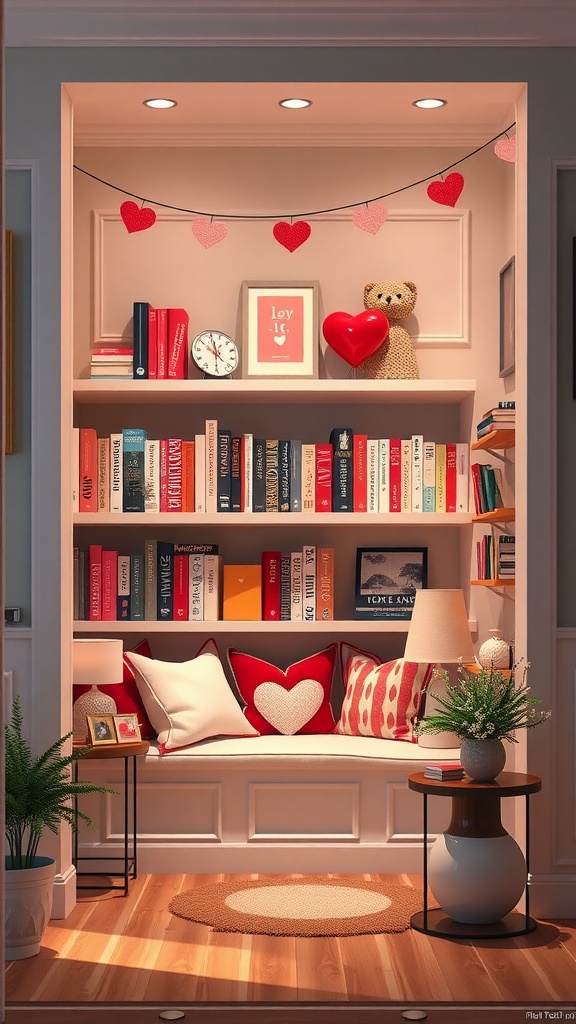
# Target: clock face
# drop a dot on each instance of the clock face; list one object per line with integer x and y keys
{"x": 215, "y": 353}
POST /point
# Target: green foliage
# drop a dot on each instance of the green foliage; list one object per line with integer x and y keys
{"x": 484, "y": 705}
{"x": 39, "y": 792}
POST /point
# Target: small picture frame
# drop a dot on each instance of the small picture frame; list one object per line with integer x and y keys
{"x": 507, "y": 318}
{"x": 280, "y": 329}
{"x": 387, "y": 580}
{"x": 127, "y": 728}
{"x": 102, "y": 730}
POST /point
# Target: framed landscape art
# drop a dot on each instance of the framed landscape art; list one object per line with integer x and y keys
{"x": 387, "y": 580}
{"x": 280, "y": 329}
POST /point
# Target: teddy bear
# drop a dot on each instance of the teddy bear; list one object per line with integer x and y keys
{"x": 395, "y": 359}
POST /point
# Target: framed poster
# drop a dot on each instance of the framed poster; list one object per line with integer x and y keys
{"x": 8, "y": 371}
{"x": 127, "y": 728}
{"x": 280, "y": 329}
{"x": 387, "y": 580}
{"x": 507, "y": 318}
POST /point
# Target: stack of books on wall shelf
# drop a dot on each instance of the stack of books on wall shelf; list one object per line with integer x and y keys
{"x": 444, "y": 770}
{"x": 160, "y": 338}
{"x": 496, "y": 561}
{"x": 487, "y": 486}
{"x": 111, "y": 363}
{"x": 298, "y": 586}
{"x": 500, "y": 417}
{"x": 217, "y": 471}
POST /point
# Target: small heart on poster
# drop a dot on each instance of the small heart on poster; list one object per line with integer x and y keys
{"x": 279, "y": 340}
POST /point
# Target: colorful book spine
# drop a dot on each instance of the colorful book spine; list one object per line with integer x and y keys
{"x": 75, "y": 469}
{"x": 174, "y": 474}
{"x": 462, "y": 476}
{"x": 211, "y": 433}
{"x": 440, "y": 477}
{"x": 325, "y": 584}
{"x": 199, "y": 473}
{"x": 180, "y": 611}
{"x": 165, "y": 580}
{"x": 341, "y": 439}
{"x": 360, "y": 472}
{"x": 309, "y": 478}
{"x": 133, "y": 473}
{"x": 109, "y": 584}
{"x": 417, "y": 497}
{"x": 285, "y": 598}
{"x": 224, "y": 477}
{"x": 395, "y": 474}
{"x": 284, "y": 475}
{"x": 140, "y": 341}
{"x": 451, "y": 477}
{"x": 103, "y": 474}
{"x": 88, "y": 496}
{"x": 309, "y": 582}
{"x": 271, "y": 585}
{"x": 137, "y": 587}
{"x": 178, "y": 321}
{"x": 271, "y": 478}
{"x": 429, "y": 477}
{"x": 324, "y": 486}
{"x": 152, "y": 343}
{"x": 295, "y": 475}
{"x": 196, "y": 587}
{"x": 296, "y": 586}
{"x": 162, "y": 343}
{"x": 187, "y": 476}
{"x": 384, "y": 461}
{"x": 246, "y": 471}
{"x": 152, "y": 476}
{"x": 123, "y": 592}
{"x": 212, "y": 587}
{"x": 116, "y": 483}
{"x": 373, "y": 475}
{"x": 235, "y": 475}
{"x": 164, "y": 474}
{"x": 406, "y": 475}
{"x": 95, "y": 582}
{"x": 150, "y": 580}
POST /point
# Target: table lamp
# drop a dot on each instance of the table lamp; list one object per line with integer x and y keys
{"x": 95, "y": 662}
{"x": 439, "y": 633}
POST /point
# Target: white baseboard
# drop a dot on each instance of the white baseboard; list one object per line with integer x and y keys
{"x": 64, "y": 897}
{"x": 553, "y": 896}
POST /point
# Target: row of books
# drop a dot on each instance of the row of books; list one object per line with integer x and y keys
{"x": 112, "y": 363}
{"x": 219, "y": 472}
{"x": 487, "y": 487}
{"x": 189, "y": 582}
{"x": 444, "y": 771}
{"x": 160, "y": 337}
{"x": 496, "y": 558}
{"x": 501, "y": 416}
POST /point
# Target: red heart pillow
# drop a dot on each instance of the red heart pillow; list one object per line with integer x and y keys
{"x": 356, "y": 337}
{"x": 381, "y": 700}
{"x": 287, "y": 702}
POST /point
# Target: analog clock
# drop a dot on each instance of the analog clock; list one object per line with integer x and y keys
{"x": 215, "y": 353}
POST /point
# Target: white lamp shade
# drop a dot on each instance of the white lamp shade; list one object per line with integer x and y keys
{"x": 97, "y": 661}
{"x": 439, "y": 631}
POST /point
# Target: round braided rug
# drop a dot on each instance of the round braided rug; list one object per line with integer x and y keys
{"x": 311, "y": 905}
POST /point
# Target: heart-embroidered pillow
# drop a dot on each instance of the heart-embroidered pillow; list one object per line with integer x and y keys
{"x": 381, "y": 700}
{"x": 296, "y": 700}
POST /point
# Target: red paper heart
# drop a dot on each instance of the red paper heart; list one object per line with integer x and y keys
{"x": 208, "y": 232}
{"x": 370, "y": 218}
{"x": 356, "y": 337}
{"x": 291, "y": 235}
{"x": 136, "y": 219}
{"x": 505, "y": 149}
{"x": 446, "y": 192}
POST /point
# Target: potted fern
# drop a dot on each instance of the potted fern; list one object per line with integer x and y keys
{"x": 39, "y": 794}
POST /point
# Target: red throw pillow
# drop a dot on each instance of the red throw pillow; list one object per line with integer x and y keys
{"x": 125, "y": 694}
{"x": 287, "y": 702}
{"x": 381, "y": 700}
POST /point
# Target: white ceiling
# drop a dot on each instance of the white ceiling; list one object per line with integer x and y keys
{"x": 290, "y": 23}
{"x": 249, "y": 114}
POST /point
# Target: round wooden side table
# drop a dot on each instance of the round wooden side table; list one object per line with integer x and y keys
{"x": 129, "y": 752}
{"x": 475, "y": 855}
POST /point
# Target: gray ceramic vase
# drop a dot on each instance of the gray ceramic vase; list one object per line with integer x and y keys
{"x": 482, "y": 760}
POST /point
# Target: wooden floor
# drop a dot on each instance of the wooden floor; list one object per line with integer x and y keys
{"x": 116, "y": 950}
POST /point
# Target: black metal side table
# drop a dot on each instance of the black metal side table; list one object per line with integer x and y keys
{"x": 129, "y": 752}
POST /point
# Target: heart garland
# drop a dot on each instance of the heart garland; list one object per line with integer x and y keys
{"x": 370, "y": 218}
{"x": 291, "y": 235}
{"x": 355, "y": 338}
{"x": 505, "y": 149}
{"x": 135, "y": 218}
{"x": 208, "y": 232}
{"x": 446, "y": 192}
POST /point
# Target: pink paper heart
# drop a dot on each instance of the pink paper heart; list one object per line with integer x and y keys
{"x": 136, "y": 219}
{"x": 505, "y": 149}
{"x": 370, "y": 218}
{"x": 208, "y": 232}
{"x": 446, "y": 192}
{"x": 355, "y": 338}
{"x": 291, "y": 235}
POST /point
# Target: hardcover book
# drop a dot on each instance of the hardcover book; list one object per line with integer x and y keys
{"x": 462, "y": 476}
{"x": 246, "y": 471}
{"x": 325, "y": 584}
{"x": 309, "y": 582}
{"x": 285, "y": 591}
{"x": 212, "y": 587}
{"x": 152, "y": 476}
{"x": 271, "y": 585}
{"x": 116, "y": 482}
{"x": 188, "y": 476}
{"x": 259, "y": 474}
{"x": 406, "y": 475}
{"x": 440, "y": 477}
{"x": 178, "y": 320}
{"x": 162, "y": 343}
{"x": 75, "y": 469}
{"x": 360, "y": 473}
{"x": 395, "y": 474}
{"x": 109, "y": 584}
{"x": 324, "y": 470}
{"x": 309, "y": 477}
{"x": 123, "y": 593}
{"x": 196, "y": 587}
{"x": 417, "y": 446}
{"x": 140, "y": 341}
{"x": 384, "y": 452}
{"x": 295, "y": 476}
{"x": 341, "y": 439}
{"x": 133, "y": 473}
{"x": 103, "y": 474}
{"x": 224, "y": 481}
{"x": 272, "y": 483}
{"x": 88, "y": 497}
{"x": 296, "y": 586}
{"x": 200, "y": 473}
{"x": 174, "y": 474}
{"x": 242, "y": 586}
{"x": 235, "y": 476}
{"x": 180, "y": 613}
{"x": 95, "y": 582}
{"x": 373, "y": 475}
{"x": 450, "y": 477}
{"x": 429, "y": 477}
{"x": 211, "y": 434}
{"x": 152, "y": 343}
{"x": 284, "y": 473}
{"x": 137, "y": 587}
{"x": 165, "y": 580}
{"x": 150, "y": 580}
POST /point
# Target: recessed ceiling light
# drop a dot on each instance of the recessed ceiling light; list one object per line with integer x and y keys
{"x": 160, "y": 104}
{"x": 295, "y": 104}
{"x": 429, "y": 103}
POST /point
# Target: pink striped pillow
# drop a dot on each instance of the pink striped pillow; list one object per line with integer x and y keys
{"x": 381, "y": 700}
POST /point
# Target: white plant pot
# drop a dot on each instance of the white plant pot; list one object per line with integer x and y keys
{"x": 28, "y": 908}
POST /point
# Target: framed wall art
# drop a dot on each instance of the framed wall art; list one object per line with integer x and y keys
{"x": 280, "y": 329}
{"x": 507, "y": 319}
{"x": 387, "y": 580}
{"x": 127, "y": 728}
{"x": 102, "y": 729}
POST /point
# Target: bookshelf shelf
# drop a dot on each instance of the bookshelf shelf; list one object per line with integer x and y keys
{"x": 498, "y": 515}
{"x": 250, "y": 626}
{"x": 493, "y": 583}
{"x": 495, "y": 440}
{"x": 260, "y": 519}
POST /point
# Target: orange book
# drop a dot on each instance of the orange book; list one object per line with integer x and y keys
{"x": 188, "y": 476}
{"x": 88, "y": 470}
{"x": 242, "y": 592}
{"x": 325, "y": 583}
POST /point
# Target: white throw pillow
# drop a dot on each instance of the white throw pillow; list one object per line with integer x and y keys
{"x": 188, "y": 701}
